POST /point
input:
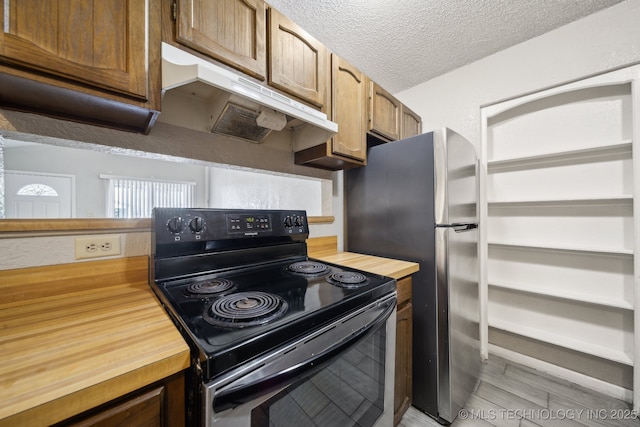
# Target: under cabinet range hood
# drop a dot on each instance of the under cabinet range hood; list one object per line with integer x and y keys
{"x": 201, "y": 95}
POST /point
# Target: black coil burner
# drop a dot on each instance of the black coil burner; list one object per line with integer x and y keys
{"x": 348, "y": 279}
{"x": 308, "y": 268}
{"x": 211, "y": 288}
{"x": 245, "y": 309}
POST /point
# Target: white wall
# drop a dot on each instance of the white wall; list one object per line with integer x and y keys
{"x": 601, "y": 42}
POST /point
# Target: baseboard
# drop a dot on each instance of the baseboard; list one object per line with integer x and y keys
{"x": 563, "y": 373}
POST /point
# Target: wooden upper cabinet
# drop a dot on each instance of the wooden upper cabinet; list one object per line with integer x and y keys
{"x": 90, "y": 61}
{"x": 231, "y": 31}
{"x": 411, "y": 124}
{"x": 297, "y": 61}
{"x": 349, "y": 109}
{"x": 101, "y": 42}
{"x": 384, "y": 113}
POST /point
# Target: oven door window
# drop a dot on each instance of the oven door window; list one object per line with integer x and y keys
{"x": 348, "y": 392}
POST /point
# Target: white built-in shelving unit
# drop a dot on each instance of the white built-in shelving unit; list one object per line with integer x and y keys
{"x": 558, "y": 231}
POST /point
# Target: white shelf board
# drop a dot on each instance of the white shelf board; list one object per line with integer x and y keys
{"x": 603, "y": 251}
{"x": 583, "y": 201}
{"x": 563, "y": 341}
{"x": 580, "y": 153}
{"x": 572, "y": 296}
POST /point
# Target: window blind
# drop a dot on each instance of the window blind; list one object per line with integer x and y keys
{"x": 135, "y": 197}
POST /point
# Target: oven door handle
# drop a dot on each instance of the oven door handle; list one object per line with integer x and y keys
{"x": 308, "y": 357}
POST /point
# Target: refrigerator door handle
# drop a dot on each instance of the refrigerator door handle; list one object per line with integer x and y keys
{"x": 459, "y": 227}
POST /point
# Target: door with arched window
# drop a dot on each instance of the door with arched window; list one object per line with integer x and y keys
{"x": 37, "y": 195}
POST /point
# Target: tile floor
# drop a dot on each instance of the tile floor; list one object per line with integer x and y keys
{"x": 512, "y": 395}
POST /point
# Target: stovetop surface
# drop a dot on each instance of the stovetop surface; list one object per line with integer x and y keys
{"x": 310, "y": 302}
{"x": 252, "y": 249}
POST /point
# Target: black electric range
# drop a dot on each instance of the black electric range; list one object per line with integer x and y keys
{"x": 239, "y": 283}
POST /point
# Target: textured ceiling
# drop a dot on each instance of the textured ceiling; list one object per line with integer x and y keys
{"x": 401, "y": 43}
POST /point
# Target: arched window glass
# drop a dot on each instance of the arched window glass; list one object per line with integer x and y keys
{"x": 37, "y": 190}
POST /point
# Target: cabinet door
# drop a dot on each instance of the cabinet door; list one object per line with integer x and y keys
{"x": 404, "y": 365}
{"x": 411, "y": 123}
{"x": 142, "y": 410}
{"x": 384, "y": 113}
{"x": 349, "y": 99}
{"x": 161, "y": 404}
{"x": 231, "y": 31}
{"x": 101, "y": 42}
{"x": 297, "y": 61}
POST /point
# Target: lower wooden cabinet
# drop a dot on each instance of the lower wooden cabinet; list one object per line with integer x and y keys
{"x": 404, "y": 359}
{"x": 161, "y": 404}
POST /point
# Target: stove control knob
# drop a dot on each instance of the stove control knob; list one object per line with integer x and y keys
{"x": 175, "y": 224}
{"x": 288, "y": 222}
{"x": 196, "y": 225}
{"x": 299, "y": 221}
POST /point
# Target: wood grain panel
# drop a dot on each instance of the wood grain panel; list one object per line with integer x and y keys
{"x": 111, "y": 53}
{"x": 96, "y": 224}
{"x": 76, "y": 14}
{"x": 318, "y": 246}
{"x": 231, "y": 31}
{"x": 142, "y": 410}
{"x": 403, "y": 392}
{"x": 109, "y": 20}
{"x": 411, "y": 123}
{"x": 44, "y": 31}
{"x": 405, "y": 287}
{"x": 349, "y": 109}
{"x": 79, "y": 335}
{"x": 26, "y": 285}
{"x": 394, "y": 268}
{"x": 384, "y": 113}
{"x": 297, "y": 61}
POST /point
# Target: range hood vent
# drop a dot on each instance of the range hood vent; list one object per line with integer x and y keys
{"x": 230, "y": 104}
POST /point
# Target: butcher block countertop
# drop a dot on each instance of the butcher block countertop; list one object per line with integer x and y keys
{"x": 78, "y": 335}
{"x": 326, "y": 249}
{"x": 75, "y": 336}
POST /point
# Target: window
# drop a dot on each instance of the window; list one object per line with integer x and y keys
{"x": 136, "y": 197}
{"x": 37, "y": 190}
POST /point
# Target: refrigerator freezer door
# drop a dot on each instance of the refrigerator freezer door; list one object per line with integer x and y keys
{"x": 391, "y": 208}
{"x": 390, "y": 214}
{"x": 458, "y": 327}
{"x": 455, "y": 204}
{"x": 456, "y": 186}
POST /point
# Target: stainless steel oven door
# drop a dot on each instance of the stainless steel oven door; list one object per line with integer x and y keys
{"x": 341, "y": 374}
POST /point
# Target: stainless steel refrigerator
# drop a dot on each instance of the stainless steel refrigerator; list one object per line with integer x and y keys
{"x": 416, "y": 200}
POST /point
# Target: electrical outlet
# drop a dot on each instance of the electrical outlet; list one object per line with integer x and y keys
{"x": 97, "y": 246}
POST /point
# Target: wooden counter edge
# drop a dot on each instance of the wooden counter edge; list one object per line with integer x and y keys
{"x": 389, "y": 267}
{"x": 14, "y": 227}
{"x": 325, "y": 248}
{"x": 76, "y": 403}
